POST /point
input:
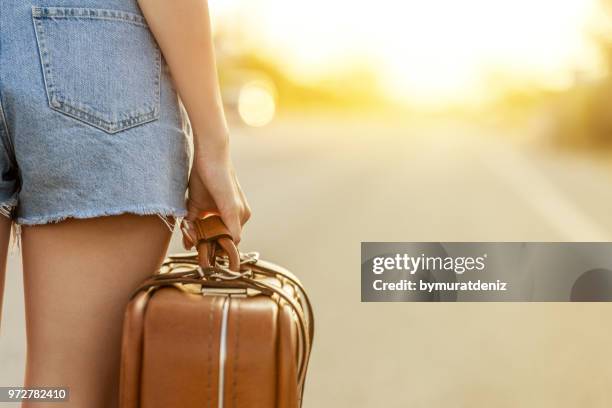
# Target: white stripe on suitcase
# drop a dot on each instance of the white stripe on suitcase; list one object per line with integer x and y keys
{"x": 223, "y": 349}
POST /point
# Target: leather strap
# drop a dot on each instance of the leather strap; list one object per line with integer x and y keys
{"x": 212, "y": 236}
{"x": 211, "y": 228}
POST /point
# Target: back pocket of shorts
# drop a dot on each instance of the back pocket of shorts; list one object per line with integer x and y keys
{"x": 101, "y": 67}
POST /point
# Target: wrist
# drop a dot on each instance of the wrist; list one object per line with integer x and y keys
{"x": 211, "y": 145}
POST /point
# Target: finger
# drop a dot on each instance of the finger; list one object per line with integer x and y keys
{"x": 246, "y": 209}
{"x": 203, "y": 254}
{"x": 232, "y": 222}
{"x": 200, "y": 199}
{"x": 187, "y": 244}
{"x": 197, "y": 210}
{"x": 223, "y": 191}
{"x": 189, "y": 235}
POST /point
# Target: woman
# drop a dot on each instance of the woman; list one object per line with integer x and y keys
{"x": 95, "y": 163}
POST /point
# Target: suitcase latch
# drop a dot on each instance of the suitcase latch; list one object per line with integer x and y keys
{"x": 233, "y": 292}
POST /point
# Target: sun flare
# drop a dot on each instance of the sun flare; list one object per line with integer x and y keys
{"x": 429, "y": 52}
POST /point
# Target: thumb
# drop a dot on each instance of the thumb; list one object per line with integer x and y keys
{"x": 231, "y": 219}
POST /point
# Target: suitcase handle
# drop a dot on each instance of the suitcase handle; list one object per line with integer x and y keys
{"x": 212, "y": 238}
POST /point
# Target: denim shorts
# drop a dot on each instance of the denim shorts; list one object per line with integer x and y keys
{"x": 90, "y": 124}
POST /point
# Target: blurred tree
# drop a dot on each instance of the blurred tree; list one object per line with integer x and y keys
{"x": 584, "y": 113}
{"x": 356, "y": 87}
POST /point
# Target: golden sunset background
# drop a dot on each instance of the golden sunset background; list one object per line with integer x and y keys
{"x": 414, "y": 57}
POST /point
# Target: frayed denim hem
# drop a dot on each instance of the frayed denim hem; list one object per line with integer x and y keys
{"x": 163, "y": 212}
{"x": 7, "y": 207}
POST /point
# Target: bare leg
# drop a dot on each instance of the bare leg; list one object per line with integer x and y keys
{"x": 5, "y": 237}
{"x": 78, "y": 275}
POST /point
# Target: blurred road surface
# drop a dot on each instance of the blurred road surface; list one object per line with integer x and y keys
{"x": 320, "y": 187}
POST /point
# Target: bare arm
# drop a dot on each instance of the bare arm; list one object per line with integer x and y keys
{"x": 182, "y": 30}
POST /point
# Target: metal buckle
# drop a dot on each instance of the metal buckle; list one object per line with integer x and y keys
{"x": 230, "y": 275}
{"x": 222, "y": 262}
{"x": 249, "y": 257}
{"x": 232, "y": 292}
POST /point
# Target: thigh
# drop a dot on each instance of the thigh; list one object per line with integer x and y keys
{"x": 78, "y": 275}
{"x": 5, "y": 237}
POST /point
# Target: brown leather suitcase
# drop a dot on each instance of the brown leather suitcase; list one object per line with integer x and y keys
{"x": 216, "y": 337}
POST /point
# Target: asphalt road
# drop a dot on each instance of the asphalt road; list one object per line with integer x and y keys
{"x": 320, "y": 187}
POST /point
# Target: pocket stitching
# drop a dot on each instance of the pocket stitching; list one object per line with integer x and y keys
{"x": 147, "y": 113}
{"x": 88, "y": 14}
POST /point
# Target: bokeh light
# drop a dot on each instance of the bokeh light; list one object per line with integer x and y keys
{"x": 256, "y": 103}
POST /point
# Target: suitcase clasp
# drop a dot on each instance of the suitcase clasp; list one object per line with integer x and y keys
{"x": 232, "y": 292}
